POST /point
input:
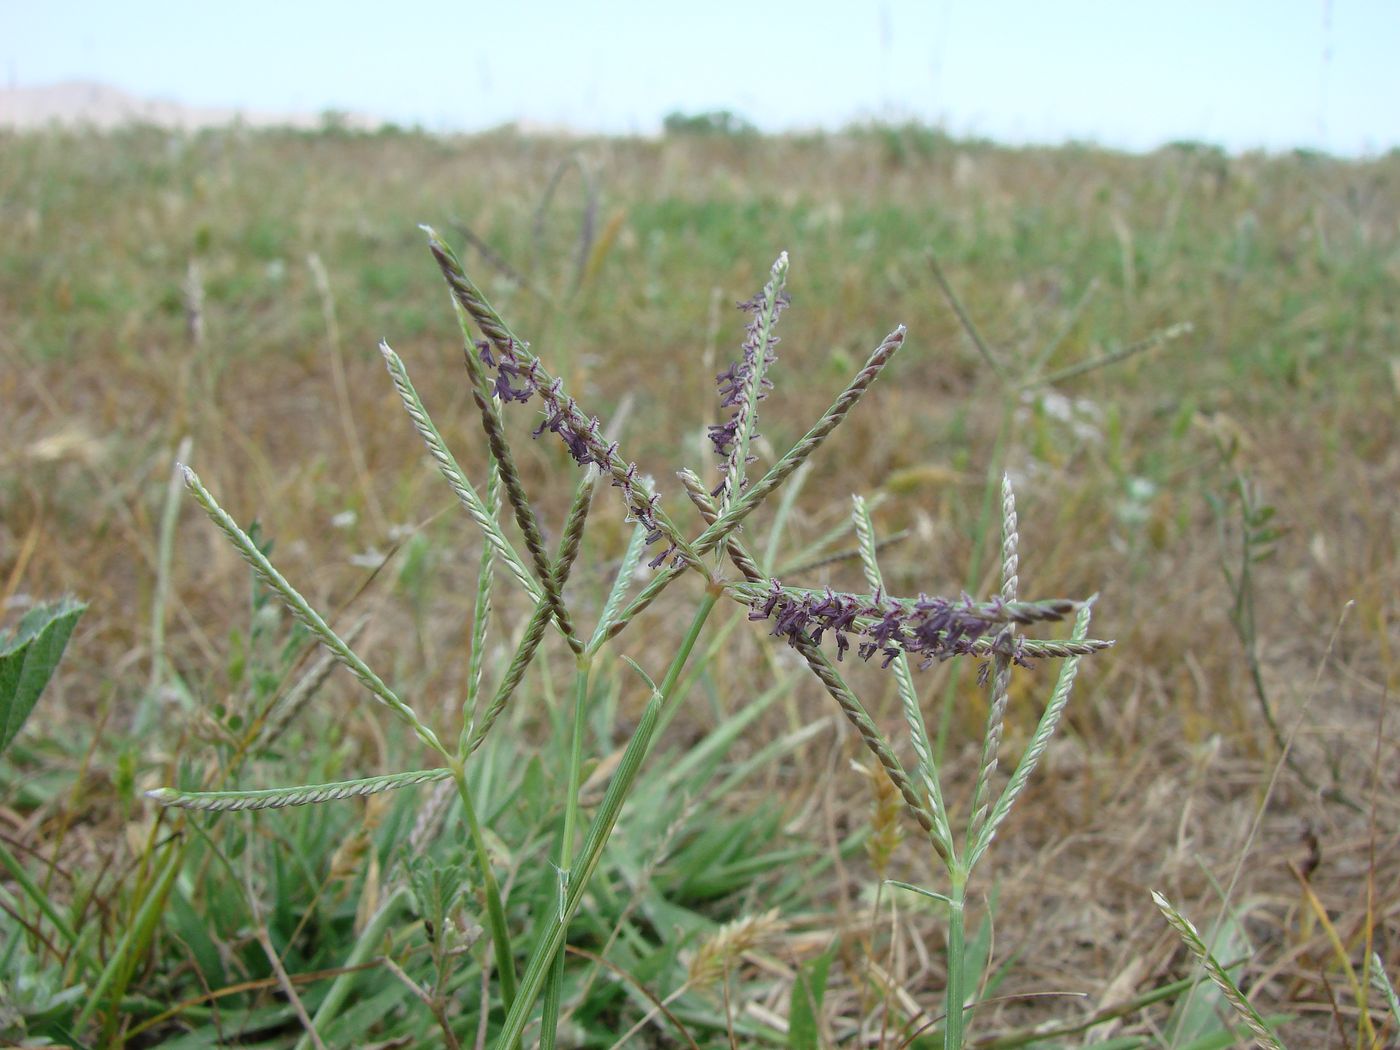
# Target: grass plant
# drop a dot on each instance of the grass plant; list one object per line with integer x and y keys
{"x": 608, "y": 806}
{"x": 930, "y": 629}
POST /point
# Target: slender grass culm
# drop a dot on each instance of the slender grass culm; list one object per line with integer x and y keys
{"x": 525, "y": 988}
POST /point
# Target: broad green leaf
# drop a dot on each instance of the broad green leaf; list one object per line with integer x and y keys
{"x": 28, "y": 660}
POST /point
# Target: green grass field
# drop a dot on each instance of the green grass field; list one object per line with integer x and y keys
{"x": 1228, "y": 490}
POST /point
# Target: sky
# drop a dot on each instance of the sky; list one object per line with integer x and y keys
{"x": 1131, "y": 74}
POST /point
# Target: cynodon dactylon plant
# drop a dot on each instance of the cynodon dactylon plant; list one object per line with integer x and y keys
{"x": 901, "y": 633}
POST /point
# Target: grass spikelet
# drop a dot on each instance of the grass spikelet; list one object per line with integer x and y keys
{"x": 473, "y": 736}
{"x": 745, "y": 383}
{"x": 1005, "y": 647}
{"x": 908, "y": 696}
{"x": 481, "y": 620}
{"x": 1191, "y": 937}
{"x": 885, "y": 832}
{"x": 1044, "y": 732}
{"x": 279, "y": 798}
{"x": 719, "y": 953}
{"x": 307, "y": 615}
{"x": 287, "y": 707}
{"x": 644, "y": 598}
{"x": 524, "y": 513}
{"x": 810, "y": 442}
{"x": 743, "y": 561}
{"x": 839, "y": 691}
{"x": 1380, "y": 981}
{"x": 480, "y": 514}
{"x": 572, "y": 538}
{"x": 515, "y": 671}
{"x": 1151, "y": 342}
{"x": 870, "y": 734}
{"x": 621, "y": 581}
{"x": 933, "y": 628}
{"x": 581, "y": 434}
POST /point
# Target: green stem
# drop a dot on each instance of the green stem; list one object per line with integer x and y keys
{"x": 495, "y": 913}
{"x": 551, "y": 941}
{"x": 554, "y": 990}
{"x": 953, "y": 1022}
{"x": 566, "y": 847}
{"x": 165, "y": 548}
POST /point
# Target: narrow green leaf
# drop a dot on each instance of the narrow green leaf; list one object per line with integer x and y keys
{"x": 37, "y": 894}
{"x": 807, "y": 994}
{"x": 551, "y": 936}
{"x": 919, "y": 890}
{"x": 332, "y": 1006}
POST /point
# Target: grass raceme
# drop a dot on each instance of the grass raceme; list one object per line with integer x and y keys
{"x": 529, "y": 985}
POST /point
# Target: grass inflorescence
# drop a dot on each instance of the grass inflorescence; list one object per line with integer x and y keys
{"x": 623, "y": 711}
{"x": 929, "y": 628}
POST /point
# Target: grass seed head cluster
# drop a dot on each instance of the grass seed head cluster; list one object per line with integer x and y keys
{"x": 502, "y": 371}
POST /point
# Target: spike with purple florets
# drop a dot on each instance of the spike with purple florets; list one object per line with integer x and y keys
{"x": 934, "y": 628}
{"x": 745, "y": 383}
{"x": 519, "y": 376}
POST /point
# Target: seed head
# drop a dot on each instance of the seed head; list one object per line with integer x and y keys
{"x": 933, "y": 628}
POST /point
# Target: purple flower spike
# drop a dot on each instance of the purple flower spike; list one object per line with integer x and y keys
{"x": 932, "y": 628}
{"x": 508, "y": 393}
{"x": 734, "y": 382}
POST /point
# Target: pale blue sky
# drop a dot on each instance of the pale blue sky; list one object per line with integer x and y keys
{"x": 1242, "y": 73}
